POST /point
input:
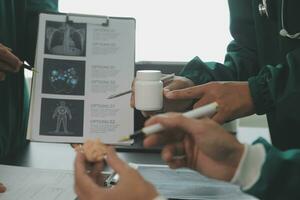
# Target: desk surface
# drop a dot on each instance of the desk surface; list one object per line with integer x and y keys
{"x": 61, "y": 156}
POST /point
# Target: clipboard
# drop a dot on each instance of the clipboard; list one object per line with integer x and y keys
{"x": 81, "y": 60}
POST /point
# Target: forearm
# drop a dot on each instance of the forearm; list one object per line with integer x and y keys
{"x": 240, "y": 64}
{"x": 278, "y": 85}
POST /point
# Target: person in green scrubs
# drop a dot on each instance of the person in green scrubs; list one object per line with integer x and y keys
{"x": 264, "y": 57}
{"x": 18, "y": 29}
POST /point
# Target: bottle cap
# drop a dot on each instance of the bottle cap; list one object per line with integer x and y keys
{"x": 148, "y": 75}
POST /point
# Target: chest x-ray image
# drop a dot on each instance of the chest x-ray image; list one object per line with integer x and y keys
{"x": 61, "y": 117}
{"x": 68, "y": 39}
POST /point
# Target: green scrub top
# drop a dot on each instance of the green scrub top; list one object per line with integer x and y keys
{"x": 18, "y": 29}
{"x": 268, "y": 61}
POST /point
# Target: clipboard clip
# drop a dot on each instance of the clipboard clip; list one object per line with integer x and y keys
{"x": 70, "y": 21}
{"x": 106, "y": 23}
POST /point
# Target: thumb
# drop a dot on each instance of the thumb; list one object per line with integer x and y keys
{"x": 115, "y": 162}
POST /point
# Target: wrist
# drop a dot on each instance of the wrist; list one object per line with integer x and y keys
{"x": 247, "y": 103}
{"x": 234, "y": 160}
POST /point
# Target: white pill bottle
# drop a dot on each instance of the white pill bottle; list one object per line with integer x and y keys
{"x": 148, "y": 90}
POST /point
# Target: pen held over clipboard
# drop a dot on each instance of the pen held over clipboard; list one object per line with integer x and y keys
{"x": 165, "y": 78}
{"x": 203, "y": 111}
{"x": 29, "y": 67}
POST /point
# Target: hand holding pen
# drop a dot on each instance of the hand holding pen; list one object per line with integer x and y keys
{"x": 203, "y": 111}
{"x": 9, "y": 62}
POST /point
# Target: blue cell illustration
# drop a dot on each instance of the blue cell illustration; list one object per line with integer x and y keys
{"x": 64, "y": 81}
{"x": 54, "y": 72}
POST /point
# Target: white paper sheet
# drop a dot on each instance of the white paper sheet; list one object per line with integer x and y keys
{"x": 188, "y": 184}
{"x": 81, "y": 63}
{"x": 24, "y": 183}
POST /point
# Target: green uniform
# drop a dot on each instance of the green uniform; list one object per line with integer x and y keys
{"x": 280, "y": 175}
{"x": 269, "y": 62}
{"x": 18, "y": 28}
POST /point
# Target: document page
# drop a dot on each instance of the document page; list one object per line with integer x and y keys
{"x": 188, "y": 184}
{"x": 24, "y": 183}
{"x": 81, "y": 60}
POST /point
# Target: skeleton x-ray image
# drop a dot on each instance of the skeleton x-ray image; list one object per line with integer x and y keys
{"x": 61, "y": 117}
{"x": 65, "y": 77}
{"x": 68, "y": 39}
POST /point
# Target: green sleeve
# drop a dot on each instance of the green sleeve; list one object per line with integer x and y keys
{"x": 241, "y": 60}
{"x": 34, "y": 8}
{"x": 43, "y": 5}
{"x": 278, "y": 86}
{"x": 280, "y": 175}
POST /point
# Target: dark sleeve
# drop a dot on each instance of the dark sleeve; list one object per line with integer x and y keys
{"x": 241, "y": 58}
{"x": 280, "y": 175}
{"x": 34, "y": 8}
{"x": 278, "y": 86}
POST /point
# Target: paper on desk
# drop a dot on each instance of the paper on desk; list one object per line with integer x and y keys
{"x": 188, "y": 184}
{"x": 35, "y": 184}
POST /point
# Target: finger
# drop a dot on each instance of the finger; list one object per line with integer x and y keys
{"x": 175, "y": 122}
{"x": 174, "y": 155}
{"x": 168, "y": 120}
{"x": 2, "y": 76}
{"x": 220, "y": 118}
{"x": 132, "y": 100}
{"x": 4, "y": 66}
{"x": 115, "y": 162}
{"x": 96, "y": 173}
{"x": 154, "y": 140}
{"x": 75, "y": 145}
{"x": 173, "y": 151}
{"x": 78, "y": 148}
{"x": 203, "y": 101}
{"x": 161, "y": 117}
{"x": 188, "y": 93}
{"x": 9, "y": 58}
{"x": 83, "y": 183}
{"x": 2, "y": 188}
{"x": 132, "y": 97}
{"x": 3, "y": 46}
{"x": 177, "y": 84}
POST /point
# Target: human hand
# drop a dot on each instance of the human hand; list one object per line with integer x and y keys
{"x": 8, "y": 62}
{"x": 2, "y": 188}
{"x": 207, "y": 147}
{"x": 234, "y": 98}
{"x": 131, "y": 184}
{"x": 174, "y": 105}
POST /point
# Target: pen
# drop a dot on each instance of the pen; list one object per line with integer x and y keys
{"x": 25, "y": 64}
{"x": 164, "y": 79}
{"x": 203, "y": 111}
{"x": 109, "y": 181}
{"x": 29, "y": 67}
